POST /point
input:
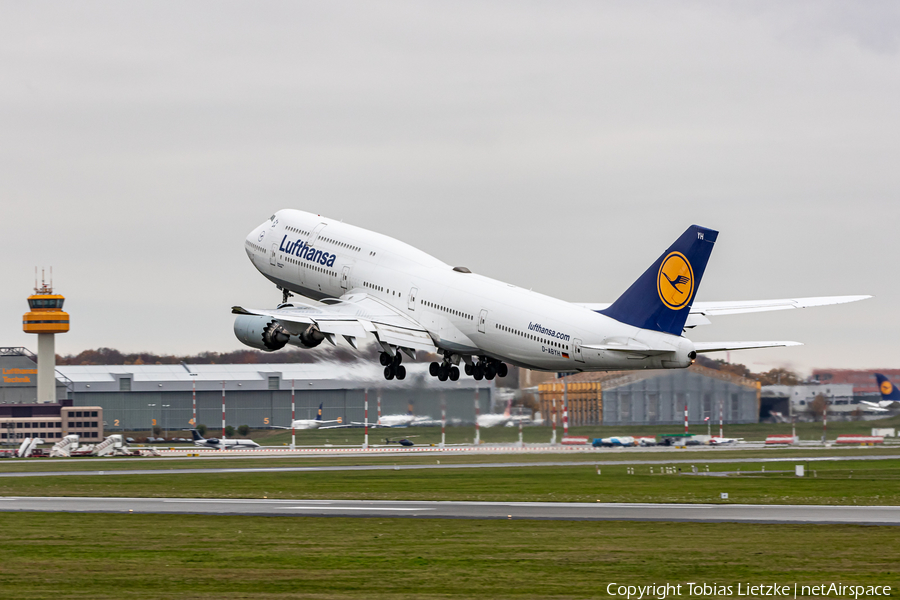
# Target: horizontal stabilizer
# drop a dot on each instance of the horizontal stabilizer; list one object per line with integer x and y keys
{"x": 632, "y": 348}
{"x": 723, "y": 346}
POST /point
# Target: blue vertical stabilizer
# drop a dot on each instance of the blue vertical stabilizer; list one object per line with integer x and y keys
{"x": 661, "y": 298}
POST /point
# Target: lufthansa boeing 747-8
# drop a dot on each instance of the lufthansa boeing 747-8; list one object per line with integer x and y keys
{"x": 369, "y": 285}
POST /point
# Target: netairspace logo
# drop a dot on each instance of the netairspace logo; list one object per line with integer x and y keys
{"x": 705, "y": 590}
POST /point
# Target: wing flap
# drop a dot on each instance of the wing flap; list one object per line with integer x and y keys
{"x": 403, "y": 337}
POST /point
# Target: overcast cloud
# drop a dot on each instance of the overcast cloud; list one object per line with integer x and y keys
{"x": 555, "y": 145}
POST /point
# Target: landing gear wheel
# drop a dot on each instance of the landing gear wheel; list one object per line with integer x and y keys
{"x": 397, "y": 359}
{"x": 454, "y": 373}
{"x": 433, "y": 369}
{"x": 401, "y": 372}
{"x": 502, "y": 370}
{"x": 490, "y": 371}
{"x": 388, "y": 372}
{"x": 468, "y": 368}
{"x": 385, "y": 359}
{"x": 444, "y": 373}
{"x": 478, "y": 372}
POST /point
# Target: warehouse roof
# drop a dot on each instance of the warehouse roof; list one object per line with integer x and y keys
{"x": 319, "y": 375}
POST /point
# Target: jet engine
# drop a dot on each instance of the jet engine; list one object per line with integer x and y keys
{"x": 262, "y": 333}
{"x": 265, "y": 333}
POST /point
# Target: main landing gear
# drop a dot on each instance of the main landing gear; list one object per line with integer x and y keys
{"x": 392, "y": 366}
{"x": 444, "y": 371}
{"x": 484, "y": 368}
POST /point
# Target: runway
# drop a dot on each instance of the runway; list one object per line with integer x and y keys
{"x": 702, "y": 513}
{"x": 401, "y": 467}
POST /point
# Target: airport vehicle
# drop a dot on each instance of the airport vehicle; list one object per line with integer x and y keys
{"x": 65, "y": 446}
{"x": 316, "y": 423}
{"x": 618, "y": 440}
{"x": 889, "y": 395}
{"x": 371, "y": 285}
{"x": 222, "y": 444}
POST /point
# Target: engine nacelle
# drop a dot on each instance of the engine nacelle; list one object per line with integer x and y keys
{"x": 262, "y": 333}
{"x": 265, "y": 333}
{"x": 311, "y": 337}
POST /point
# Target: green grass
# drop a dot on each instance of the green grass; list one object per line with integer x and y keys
{"x": 107, "y": 556}
{"x": 840, "y": 483}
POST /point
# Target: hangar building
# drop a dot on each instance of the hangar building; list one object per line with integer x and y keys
{"x": 139, "y": 397}
{"x": 653, "y": 397}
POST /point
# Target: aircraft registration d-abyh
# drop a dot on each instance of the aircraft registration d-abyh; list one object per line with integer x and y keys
{"x": 371, "y": 286}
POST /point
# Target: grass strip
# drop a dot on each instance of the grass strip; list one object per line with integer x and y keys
{"x": 838, "y": 483}
{"x": 97, "y": 556}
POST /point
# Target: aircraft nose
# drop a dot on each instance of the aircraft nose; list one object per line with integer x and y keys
{"x": 258, "y": 235}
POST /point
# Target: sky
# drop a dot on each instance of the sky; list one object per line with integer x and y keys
{"x": 559, "y": 146}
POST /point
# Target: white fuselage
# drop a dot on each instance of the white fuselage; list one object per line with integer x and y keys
{"x": 465, "y": 313}
{"x": 226, "y": 444}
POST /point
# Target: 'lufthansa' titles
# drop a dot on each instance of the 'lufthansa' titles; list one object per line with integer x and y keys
{"x": 302, "y": 250}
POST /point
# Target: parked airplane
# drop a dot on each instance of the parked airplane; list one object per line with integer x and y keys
{"x": 369, "y": 284}
{"x": 407, "y": 420}
{"x": 889, "y": 394}
{"x": 721, "y": 441}
{"x": 618, "y": 440}
{"x": 222, "y": 444}
{"x": 316, "y": 423}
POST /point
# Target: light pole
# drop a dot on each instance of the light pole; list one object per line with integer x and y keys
{"x": 165, "y": 417}
{"x": 152, "y": 420}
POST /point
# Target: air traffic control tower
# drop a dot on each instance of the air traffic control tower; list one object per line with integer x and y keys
{"x": 46, "y": 319}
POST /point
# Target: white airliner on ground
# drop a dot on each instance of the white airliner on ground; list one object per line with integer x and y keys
{"x": 316, "y": 423}
{"x": 371, "y": 285}
{"x": 222, "y": 444}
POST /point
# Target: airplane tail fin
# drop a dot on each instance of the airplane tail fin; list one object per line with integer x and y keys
{"x": 887, "y": 389}
{"x": 196, "y": 435}
{"x": 319, "y": 414}
{"x": 661, "y": 298}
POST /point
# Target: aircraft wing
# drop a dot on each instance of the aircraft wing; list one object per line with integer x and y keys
{"x": 353, "y": 316}
{"x": 701, "y": 310}
{"x": 874, "y": 406}
{"x": 722, "y": 346}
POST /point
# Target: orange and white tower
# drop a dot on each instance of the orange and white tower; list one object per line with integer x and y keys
{"x": 46, "y": 318}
